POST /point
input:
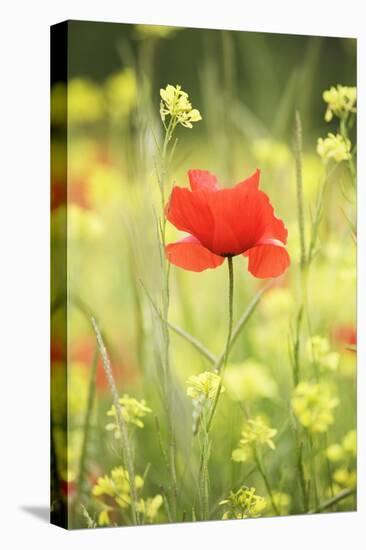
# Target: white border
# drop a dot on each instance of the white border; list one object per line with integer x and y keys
{"x": 25, "y": 272}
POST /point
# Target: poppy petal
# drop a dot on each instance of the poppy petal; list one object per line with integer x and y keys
{"x": 202, "y": 179}
{"x": 190, "y": 212}
{"x": 269, "y": 259}
{"x": 252, "y": 182}
{"x": 188, "y": 253}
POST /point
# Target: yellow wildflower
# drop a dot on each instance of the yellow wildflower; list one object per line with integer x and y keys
{"x": 175, "y": 103}
{"x": 256, "y": 432}
{"x": 282, "y": 502}
{"x": 334, "y": 452}
{"x": 132, "y": 411}
{"x": 244, "y": 503}
{"x": 249, "y": 381}
{"x": 313, "y": 405}
{"x": 349, "y": 443}
{"x": 346, "y": 478}
{"x": 203, "y": 386}
{"x": 318, "y": 350}
{"x": 149, "y": 507}
{"x": 121, "y": 93}
{"x": 340, "y": 100}
{"x": 117, "y": 486}
{"x": 334, "y": 147}
{"x": 85, "y": 101}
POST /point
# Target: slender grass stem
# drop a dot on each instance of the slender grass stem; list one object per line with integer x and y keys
{"x": 126, "y": 448}
{"x": 299, "y": 188}
{"x": 332, "y": 501}
{"x": 87, "y": 421}
{"x": 264, "y": 476}
{"x": 313, "y": 471}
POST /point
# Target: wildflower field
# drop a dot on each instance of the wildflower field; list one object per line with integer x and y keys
{"x": 203, "y": 215}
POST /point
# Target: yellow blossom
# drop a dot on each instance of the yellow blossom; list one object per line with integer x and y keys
{"x": 346, "y": 478}
{"x": 334, "y": 147}
{"x": 132, "y": 411}
{"x": 117, "y": 486}
{"x": 203, "y": 386}
{"x": 340, "y": 100}
{"x": 85, "y": 101}
{"x": 256, "y": 432}
{"x": 282, "y": 502}
{"x": 149, "y": 507}
{"x": 274, "y": 153}
{"x": 249, "y": 381}
{"x": 121, "y": 93}
{"x": 243, "y": 503}
{"x": 349, "y": 443}
{"x": 335, "y": 452}
{"x": 318, "y": 350}
{"x": 175, "y": 103}
{"x": 313, "y": 405}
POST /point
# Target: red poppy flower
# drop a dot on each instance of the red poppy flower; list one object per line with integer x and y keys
{"x": 226, "y": 222}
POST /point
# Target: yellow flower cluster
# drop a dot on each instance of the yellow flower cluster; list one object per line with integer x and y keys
{"x": 275, "y": 154}
{"x": 149, "y": 508}
{"x": 117, "y": 486}
{"x": 86, "y": 102}
{"x": 345, "y": 450}
{"x": 121, "y": 93}
{"x": 256, "y": 432}
{"x": 203, "y": 386}
{"x": 243, "y": 503}
{"x": 175, "y": 103}
{"x": 249, "y": 381}
{"x": 340, "y": 100}
{"x": 132, "y": 411}
{"x": 318, "y": 351}
{"x": 334, "y": 147}
{"x": 313, "y": 406}
{"x": 282, "y": 502}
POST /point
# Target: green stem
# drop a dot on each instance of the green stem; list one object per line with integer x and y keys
{"x": 88, "y": 415}
{"x": 262, "y": 472}
{"x": 332, "y": 501}
{"x": 165, "y": 329}
{"x": 299, "y": 187}
{"x": 228, "y": 340}
{"x": 313, "y": 471}
{"x": 126, "y": 449}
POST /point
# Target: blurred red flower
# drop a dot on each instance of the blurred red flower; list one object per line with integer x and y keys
{"x": 226, "y": 222}
{"x": 345, "y": 335}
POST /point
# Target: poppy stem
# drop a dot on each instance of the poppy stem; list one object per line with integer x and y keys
{"x": 228, "y": 340}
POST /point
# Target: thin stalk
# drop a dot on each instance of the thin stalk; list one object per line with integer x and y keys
{"x": 299, "y": 188}
{"x": 351, "y": 161}
{"x": 126, "y": 448}
{"x": 332, "y": 501}
{"x": 165, "y": 330}
{"x": 228, "y": 340}
{"x": 240, "y": 325}
{"x": 313, "y": 471}
{"x": 262, "y": 472}
{"x": 88, "y": 415}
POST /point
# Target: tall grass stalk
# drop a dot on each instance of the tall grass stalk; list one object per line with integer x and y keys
{"x": 87, "y": 422}
{"x": 126, "y": 446}
{"x": 162, "y": 175}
